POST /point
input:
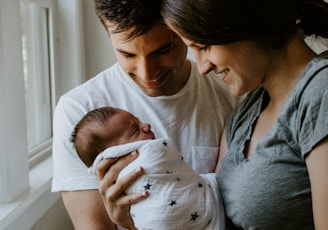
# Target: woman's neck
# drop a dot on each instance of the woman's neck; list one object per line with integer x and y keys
{"x": 287, "y": 65}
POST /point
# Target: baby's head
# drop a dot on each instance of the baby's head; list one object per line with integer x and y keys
{"x": 105, "y": 127}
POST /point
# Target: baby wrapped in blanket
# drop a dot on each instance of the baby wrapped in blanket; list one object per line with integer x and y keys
{"x": 179, "y": 197}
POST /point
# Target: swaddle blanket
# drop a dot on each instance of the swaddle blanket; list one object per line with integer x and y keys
{"x": 179, "y": 197}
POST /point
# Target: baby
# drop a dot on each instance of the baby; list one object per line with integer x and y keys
{"x": 179, "y": 197}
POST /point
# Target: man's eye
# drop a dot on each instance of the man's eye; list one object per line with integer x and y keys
{"x": 166, "y": 50}
{"x": 127, "y": 55}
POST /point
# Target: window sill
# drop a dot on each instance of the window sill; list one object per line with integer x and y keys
{"x": 26, "y": 210}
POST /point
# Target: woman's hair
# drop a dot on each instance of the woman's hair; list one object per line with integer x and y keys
{"x": 140, "y": 15}
{"x": 216, "y": 22}
{"x": 88, "y": 137}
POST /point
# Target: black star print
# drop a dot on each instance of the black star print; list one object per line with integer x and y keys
{"x": 194, "y": 216}
{"x": 173, "y": 202}
{"x": 200, "y": 185}
{"x": 164, "y": 143}
{"x": 147, "y": 186}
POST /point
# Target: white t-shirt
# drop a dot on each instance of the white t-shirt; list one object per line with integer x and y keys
{"x": 193, "y": 118}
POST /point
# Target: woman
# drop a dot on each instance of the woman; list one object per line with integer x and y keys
{"x": 273, "y": 165}
{"x": 274, "y": 168}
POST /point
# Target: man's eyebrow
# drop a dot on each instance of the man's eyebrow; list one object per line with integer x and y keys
{"x": 158, "y": 50}
{"x": 163, "y": 47}
{"x": 123, "y": 52}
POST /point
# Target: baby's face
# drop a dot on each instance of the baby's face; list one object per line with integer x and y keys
{"x": 126, "y": 128}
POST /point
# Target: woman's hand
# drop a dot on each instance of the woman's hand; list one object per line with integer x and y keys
{"x": 117, "y": 203}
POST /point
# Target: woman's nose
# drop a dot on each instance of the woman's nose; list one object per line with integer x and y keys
{"x": 205, "y": 67}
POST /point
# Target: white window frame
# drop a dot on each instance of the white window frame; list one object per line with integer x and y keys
{"x": 25, "y": 182}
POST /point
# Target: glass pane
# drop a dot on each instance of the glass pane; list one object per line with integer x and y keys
{"x": 34, "y": 21}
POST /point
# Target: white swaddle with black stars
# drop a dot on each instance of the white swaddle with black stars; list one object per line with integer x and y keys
{"x": 179, "y": 197}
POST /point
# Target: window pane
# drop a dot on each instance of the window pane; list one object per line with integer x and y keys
{"x": 34, "y": 20}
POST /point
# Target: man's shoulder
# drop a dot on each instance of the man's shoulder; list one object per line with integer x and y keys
{"x": 103, "y": 81}
{"x": 101, "y": 90}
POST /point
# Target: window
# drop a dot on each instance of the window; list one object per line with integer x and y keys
{"x": 36, "y": 50}
{"x": 41, "y": 55}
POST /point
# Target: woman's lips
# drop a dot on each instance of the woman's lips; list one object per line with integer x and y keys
{"x": 222, "y": 74}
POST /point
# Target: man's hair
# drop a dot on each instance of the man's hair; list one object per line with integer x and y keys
{"x": 139, "y": 15}
{"x": 88, "y": 137}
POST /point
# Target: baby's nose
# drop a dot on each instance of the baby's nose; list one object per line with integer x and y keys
{"x": 146, "y": 127}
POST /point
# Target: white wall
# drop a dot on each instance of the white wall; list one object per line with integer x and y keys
{"x": 99, "y": 53}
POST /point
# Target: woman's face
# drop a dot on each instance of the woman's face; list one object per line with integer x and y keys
{"x": 243, "y": 66}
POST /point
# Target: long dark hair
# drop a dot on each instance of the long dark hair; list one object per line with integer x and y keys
{"x": 215, "y": 22}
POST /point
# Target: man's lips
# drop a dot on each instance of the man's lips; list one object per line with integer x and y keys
{"x": 154, "y": 83}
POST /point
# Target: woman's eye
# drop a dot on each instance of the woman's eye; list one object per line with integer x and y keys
{"x": 203, "y": 47}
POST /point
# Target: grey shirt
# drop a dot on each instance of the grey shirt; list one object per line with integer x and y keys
{"x": 272, "y": 190}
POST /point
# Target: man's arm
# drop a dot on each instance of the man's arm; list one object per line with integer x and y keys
{"x": 86, "y": 210}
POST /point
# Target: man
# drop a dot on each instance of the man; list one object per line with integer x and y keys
{"x": 152, "y": 80}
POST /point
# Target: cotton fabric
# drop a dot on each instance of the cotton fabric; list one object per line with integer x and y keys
{"x": 179, "y": 197}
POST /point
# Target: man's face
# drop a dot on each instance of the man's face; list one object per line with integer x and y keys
{"x": 155, "y": 61}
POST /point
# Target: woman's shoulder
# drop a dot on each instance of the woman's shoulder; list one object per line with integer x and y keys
{"x": 313, "y": 81}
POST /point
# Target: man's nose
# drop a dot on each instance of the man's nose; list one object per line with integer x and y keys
{"x": 146, "y": 69}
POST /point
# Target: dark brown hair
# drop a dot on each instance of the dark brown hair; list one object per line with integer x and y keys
{"x": 127, "y": 14}
{"x": 88, "y": 138}
{"x": 215, "y": 22}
